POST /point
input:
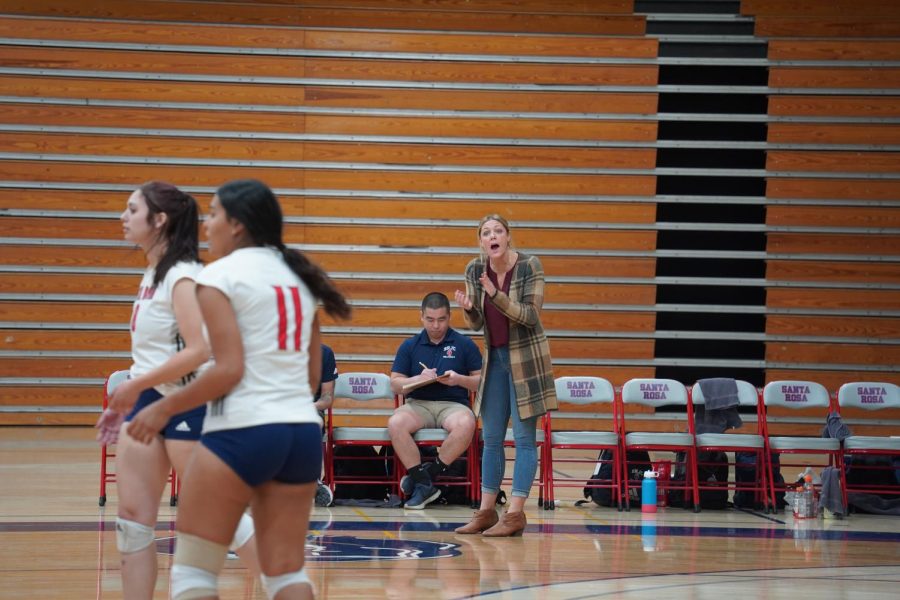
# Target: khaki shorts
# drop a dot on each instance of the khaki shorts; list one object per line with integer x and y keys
{"x": 435, "y": 412}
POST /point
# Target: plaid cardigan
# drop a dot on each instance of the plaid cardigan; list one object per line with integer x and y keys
{"x": 529, "y": 351}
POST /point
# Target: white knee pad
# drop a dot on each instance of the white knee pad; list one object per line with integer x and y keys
{"x": 132, "y": 536}
{"x": 275, "y": 583}
{"x": 243, "y": 533}
{"x": 195, "y": 572}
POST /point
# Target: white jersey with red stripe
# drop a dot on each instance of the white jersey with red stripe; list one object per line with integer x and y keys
{"x": 154, "y": 331}
{"x": 274, "y": 311}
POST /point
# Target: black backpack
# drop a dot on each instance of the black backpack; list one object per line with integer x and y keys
{"x": 712, "y": 467}
{"x": 638, "y": 462}
{"x": 745, "y": 472}
{"x": 366, "y": 462}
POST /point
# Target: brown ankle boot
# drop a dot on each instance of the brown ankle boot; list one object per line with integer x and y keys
{"x": 481, "y": 520}
{"x": 512, "y": 524}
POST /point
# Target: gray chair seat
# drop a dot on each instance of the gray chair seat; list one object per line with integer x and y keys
{"x": 872, "y": 442}
{"x": 362, "y": 434}
{"x": 658, "y": 439}
{"x": 737, "y": 440}
{"x": 430, "y": 435}
{"x": 599, "y": 438}
{"x": 803, "y": 443}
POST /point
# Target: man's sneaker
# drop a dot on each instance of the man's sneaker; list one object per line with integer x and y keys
{"x": 423, "y": 495}
{"x": 407, "y": 485}
{"x": 324, "y": 495}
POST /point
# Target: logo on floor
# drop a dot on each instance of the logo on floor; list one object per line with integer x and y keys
{"x": 348, "y": 548}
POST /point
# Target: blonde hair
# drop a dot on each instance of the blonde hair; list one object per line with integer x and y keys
{"x": 491, "y": 217}
{"x": 499, "y": 219}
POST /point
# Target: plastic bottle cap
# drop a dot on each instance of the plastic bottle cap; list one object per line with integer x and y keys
{"x": 651, "y": 474}
{"x": 808, "y": 478}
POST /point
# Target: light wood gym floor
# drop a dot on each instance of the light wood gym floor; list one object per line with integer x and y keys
{"x": 56, "y": 543}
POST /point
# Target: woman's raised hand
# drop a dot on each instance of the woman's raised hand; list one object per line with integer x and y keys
{"x": 463, "y": 300}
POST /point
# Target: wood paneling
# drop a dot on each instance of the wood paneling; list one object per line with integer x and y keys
{"x": 833, "y": 133}
{"x": 828, "y": 27}
{"x": 834, "y": 49}
{"x": 834, "y": 106}
{"x": 860, "y": 272}
{"x": 78, "y": 368}
{"x": 385, "y": 261}
{"x": 60, "y": 227}
{"x": 36, "y": 311}
{"x": 342, "y": 179}
{"x": 387, "y": 289}
{"x": 326, "y": 39}
{"x": 832, "y": 189}
{"x": 350, "y": 69}
{"x": 831, "y": 353}
{"x": 843, "y": 326}
{"x": 269, "y": 14}
{"x": 357, "y": 208}
{"x": 806, "y": 243}
{"x": 833, "y": 161}
{"x": 373, "y": 153}
{"x": 832, "y": 8}
{"x": 835, "y": 77}
{"x": 832, "y": 216}
{"x": 874, "y": 300}
{"x": 285, "y": 96}
{"x": 69, "y": 339}
{"x": 199, "y": 120}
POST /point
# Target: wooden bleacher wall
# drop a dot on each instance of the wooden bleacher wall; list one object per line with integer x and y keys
{"x": 388, "y": 128}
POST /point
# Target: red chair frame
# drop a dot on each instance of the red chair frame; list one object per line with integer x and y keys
{"x": 748, "y": 395}
{"x": 868, "y": 396}
{"x": 655, "y": 393}
{"x": 434, "y": 437}
{"x": 796, "y": 395}
{"x": 583, "y": 392}
{"x": 363, "y": 387}
{"x": 107, "y": 454}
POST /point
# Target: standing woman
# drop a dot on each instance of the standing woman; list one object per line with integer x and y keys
{"x": 262, "y": 439}
{"x": 167, "y": 348}
{"x": 504, "y": 294}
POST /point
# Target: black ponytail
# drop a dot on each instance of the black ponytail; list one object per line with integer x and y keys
{"x": 180, "y": 232}
{"x": 253, "y": 204}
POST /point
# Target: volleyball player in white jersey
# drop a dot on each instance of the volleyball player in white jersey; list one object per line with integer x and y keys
{"x": 167, "y": 348}
{"x": 262, "y": 441}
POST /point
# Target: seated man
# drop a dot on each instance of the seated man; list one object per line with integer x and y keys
{"x": 323, "y": 401}
{"x": 452, "y": 363}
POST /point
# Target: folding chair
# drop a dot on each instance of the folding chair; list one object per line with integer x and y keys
{"x": 583, "y": 394}
{"x": 374, "y": 388}
{"x": 655, "y": 393}
{"x": 106, "y": 454}
{"x": 748, "y": 396}
{"x": 868, "y": 396}
{"x": 434, "y": 437}
{"x": 804, "y": 398}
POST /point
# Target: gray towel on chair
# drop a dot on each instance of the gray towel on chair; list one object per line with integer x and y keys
{"x": 719, "y": 392}
{"x": 720, "y": 412}
{"x": 831, "y": 491}
{"x": 835, "y": 427}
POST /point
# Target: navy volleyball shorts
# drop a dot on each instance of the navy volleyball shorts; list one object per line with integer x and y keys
{"x": 284, "y": 452}
{"x": 183, "y": 426}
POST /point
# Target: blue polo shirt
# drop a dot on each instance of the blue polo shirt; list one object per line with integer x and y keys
{"x": 329, "y": 369}
{"x": 456, "y": 352}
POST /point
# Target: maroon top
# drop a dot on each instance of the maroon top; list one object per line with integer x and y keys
{"x": 495, "y": 321}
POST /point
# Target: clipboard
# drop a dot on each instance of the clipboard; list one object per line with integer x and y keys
{"x": 406, "y": 389}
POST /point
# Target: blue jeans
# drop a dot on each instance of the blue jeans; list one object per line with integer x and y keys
{"x": 498, "y": 404}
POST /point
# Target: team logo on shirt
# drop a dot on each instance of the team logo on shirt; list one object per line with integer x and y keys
{"x": 449, "y": 352}
{"x": 350, "y": 548}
